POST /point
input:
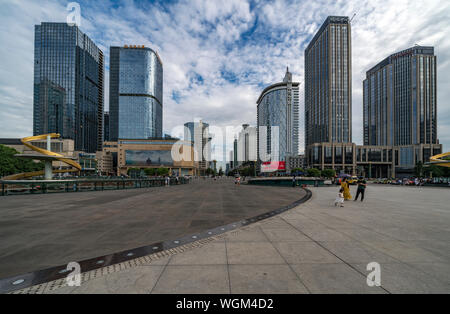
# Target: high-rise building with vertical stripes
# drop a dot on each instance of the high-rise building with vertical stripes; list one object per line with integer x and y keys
{"x": 400, "y": 99}
{"x": 68, "y": 85}
{"x": 328, "y": 84}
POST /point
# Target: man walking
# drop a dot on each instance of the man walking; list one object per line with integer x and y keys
{"x": 361, "y": 189}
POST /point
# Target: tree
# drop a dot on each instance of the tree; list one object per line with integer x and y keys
{"x": 150, "y": 172}
{"x": 313, "y": 172}
{"x": 434, "y": 171}
{"x": 328, "y": 173}
{"x": 163, "y": 171}
{"x": 134, "y": 172}
{"x": 418, "y": 169}
{"x": 220, "y": 172}
{"x": 12, "y": 165}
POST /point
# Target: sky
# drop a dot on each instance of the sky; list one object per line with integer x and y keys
{"x": 219, "y": 55}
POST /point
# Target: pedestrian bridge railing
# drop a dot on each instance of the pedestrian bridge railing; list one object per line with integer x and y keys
{"x": 21, "y": 187}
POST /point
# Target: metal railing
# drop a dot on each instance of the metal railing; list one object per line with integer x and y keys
{"x": 20, "y": 187}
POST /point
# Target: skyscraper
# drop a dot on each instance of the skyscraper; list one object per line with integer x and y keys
{"x": 247, "y": 144}
{"x": 198, "y": 134}
{"x": 106, "y": 126}
{"x": 400, "y": 99}
{"x": 136, "y": 93}
{"x": 278, "y": 107}
{"x": 68, "y": 85}
{"x": 328, "y": 84}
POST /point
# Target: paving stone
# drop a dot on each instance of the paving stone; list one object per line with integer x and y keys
{"x": 264, "y": 279}
{"x": 357, "y": 252}
{"x": 304, "y": 252}
{"x": 405, "y": 230}
{"x": 439, "y": 271}
{"x": 210, "y": 254}
{"x": 364, "y": 234}
{"x": 253, "y": 253}
{"x": 193, "y": 280}
{"x": 405, "y": 252}
{"x": 253, "y": 234}
{"x": 52, "y": 230}
{"x": 321, "y": 233}
{"x": 333, "y": 278}
{"x": 285, "y": 235}
{"x": 401, "y": 278}
{"x": 137, "y": 280}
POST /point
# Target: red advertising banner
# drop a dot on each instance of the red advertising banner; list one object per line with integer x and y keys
{"x": 273, "y": 166}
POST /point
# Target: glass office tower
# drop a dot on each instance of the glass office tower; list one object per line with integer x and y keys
{"x": 198, "y": 134}
{"x": 400, "y": 99}
{"x": 278, "y": 107}
{"x": 68, "y": 85}
{"x": 328, "y": 84}
{"x": 136, "y": 93}
{"x": 106, "y": 126}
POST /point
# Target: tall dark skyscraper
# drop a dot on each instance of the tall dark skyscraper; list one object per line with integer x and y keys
{"x": 136, "y": 93}
{"x": 68, "y": 85}
{"x": 400, "y": 99}
{"x": 328, "y": 84}
{"x": 106, "y": 126}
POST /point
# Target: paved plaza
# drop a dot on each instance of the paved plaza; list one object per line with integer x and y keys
{"x": 43, "y": 231}
{"x": 313, "y": 248}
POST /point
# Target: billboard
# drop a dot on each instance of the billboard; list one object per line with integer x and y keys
{"x": 148, "y": 158}
{"x": 273, "y": 166}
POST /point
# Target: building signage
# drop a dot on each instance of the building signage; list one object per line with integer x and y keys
{"x": 148, "y": 158}
{"x": 273, "y": 166}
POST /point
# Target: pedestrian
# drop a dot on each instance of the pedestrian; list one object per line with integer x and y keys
{"x": 346, "y": 187}
{"x": 294, "y": 182}
{"x": 340, "y": 199}
{"x": 361, "y": 189}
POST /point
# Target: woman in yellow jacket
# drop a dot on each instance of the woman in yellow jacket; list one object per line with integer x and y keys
{"x": 346, "y": 187}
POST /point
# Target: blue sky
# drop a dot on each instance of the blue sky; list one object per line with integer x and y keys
{"x": 219, "y": 55}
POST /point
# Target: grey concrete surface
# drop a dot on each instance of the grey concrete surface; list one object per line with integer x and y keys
{"x": 41, "y": 231}
{"x": 313, "y": 248}
{"x": 319, "y": 248}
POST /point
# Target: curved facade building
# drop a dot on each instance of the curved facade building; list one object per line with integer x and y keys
{"x": 278, "y": 106}
{"x": 136, "y": 93}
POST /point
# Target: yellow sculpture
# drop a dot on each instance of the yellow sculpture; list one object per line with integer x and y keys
{"x": 436, "y": 160}
{"x": 26, "y": 141}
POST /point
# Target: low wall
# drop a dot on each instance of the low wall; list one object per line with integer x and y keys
{"x": 18, "y": 187}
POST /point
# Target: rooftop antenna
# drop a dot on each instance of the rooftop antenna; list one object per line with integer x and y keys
{"x": 352, "y": 17}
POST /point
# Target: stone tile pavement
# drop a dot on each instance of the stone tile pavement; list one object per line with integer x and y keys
{"x": 313, "y": 248}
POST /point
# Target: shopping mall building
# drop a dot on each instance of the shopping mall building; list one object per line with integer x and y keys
{"x": 174, "y": 154}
